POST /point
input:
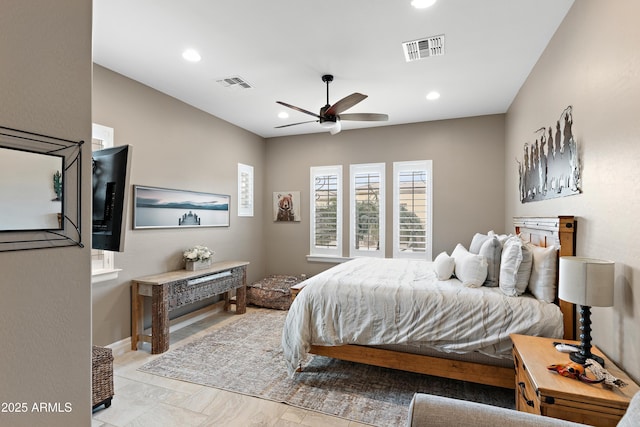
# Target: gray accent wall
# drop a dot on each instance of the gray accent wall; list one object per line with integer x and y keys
{"x": 45, "y": 307}
{"x": 180, "y": 147}
{"x": 593, "y": 64}
{"x": 468, "y": 181}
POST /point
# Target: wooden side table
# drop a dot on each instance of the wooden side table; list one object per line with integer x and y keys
{"x": 174, "y": 289}
{"x": 543, "y": 392}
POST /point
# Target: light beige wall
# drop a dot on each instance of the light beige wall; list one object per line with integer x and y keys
{"x": 45, "y": 308}
{"x": 593, "y": 64}
{"x": 468, "y": 192}
{"x": 180, "y": 147}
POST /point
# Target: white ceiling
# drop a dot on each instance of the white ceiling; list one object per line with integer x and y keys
{"x": 283, "y": 47}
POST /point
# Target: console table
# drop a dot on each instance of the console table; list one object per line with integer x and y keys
{"x": 175, "y": 289}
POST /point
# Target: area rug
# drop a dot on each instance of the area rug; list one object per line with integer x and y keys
{"x": 245, "y": 357}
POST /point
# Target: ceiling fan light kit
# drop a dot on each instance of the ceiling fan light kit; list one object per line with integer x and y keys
{"x": 330, "y": 115}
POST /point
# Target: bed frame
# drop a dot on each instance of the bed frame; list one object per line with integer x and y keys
{"x": 541, "y": 231}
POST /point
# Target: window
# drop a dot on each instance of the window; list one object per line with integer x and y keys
{"x": 245, "y": 190}
{"x": 326, "y": 211}
{"x": 412, "y": 209}
{"x": 366, "y": 230}
{"x": 102, "y": 264}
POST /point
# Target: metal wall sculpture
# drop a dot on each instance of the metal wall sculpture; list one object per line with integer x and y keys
{"x": 551, "y": 167}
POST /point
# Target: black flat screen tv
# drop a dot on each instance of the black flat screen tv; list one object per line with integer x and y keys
{"x": 110, "y": 194}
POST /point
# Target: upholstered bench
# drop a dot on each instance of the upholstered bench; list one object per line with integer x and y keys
{"x": 430, "y": 410}
{"x": 272, "y": 291}
{"x": 102, "y": 376}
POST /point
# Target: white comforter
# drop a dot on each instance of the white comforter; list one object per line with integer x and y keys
{"x": 369, "y": 301}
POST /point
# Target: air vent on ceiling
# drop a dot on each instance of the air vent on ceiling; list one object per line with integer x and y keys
{"x": 423, "y": 48}
{"x": 234, "y": 82}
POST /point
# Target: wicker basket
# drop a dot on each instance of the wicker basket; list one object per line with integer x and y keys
{"x": 102, "y": 376}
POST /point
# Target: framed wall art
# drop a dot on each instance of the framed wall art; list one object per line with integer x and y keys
{"x": 167, "y": 208}
{"x": 286, "y": 206}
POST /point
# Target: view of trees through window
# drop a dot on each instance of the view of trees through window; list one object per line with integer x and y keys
{"x": 412, "y": 200}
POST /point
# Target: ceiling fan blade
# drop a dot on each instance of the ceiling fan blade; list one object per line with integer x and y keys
{"x": 365, "y": 117}
{"x": 345, "y": 103}
{"x": 298, "y": 109}
{"x": 293, "y": 124}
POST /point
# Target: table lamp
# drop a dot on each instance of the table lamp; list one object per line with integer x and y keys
{"x": 589, "y": 283}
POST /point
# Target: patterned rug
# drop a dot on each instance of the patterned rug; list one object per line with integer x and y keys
{"x": 246, "y": 357}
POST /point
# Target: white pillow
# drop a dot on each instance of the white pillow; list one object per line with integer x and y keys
{"x": 476, "y": 242}
{"x": 470, "y": 269}
{"x": 542, "y": 282}
{"x": 501, "y": 237}
{"x": 509, "y": 264}
{"x": 491, "y": 249}
{"x": 524, "y": 271}
{"x": 443, "y": 266}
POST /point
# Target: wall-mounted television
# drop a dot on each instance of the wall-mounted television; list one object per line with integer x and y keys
{"x": 111, "y": 168}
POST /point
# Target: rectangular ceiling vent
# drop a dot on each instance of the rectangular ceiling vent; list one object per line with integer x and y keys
{"x": 234, "y": 82}
{"x": 423, "y": 48}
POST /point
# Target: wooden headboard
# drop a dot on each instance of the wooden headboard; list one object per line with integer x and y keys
{"x": 560, "y": 232}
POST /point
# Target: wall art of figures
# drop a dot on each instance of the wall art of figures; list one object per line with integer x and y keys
{"x": 551, "y": 167}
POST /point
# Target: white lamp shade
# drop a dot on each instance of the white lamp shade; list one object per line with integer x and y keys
{"x": 586, "y": 281}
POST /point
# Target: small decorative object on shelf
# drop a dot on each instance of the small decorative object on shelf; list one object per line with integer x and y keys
{"x": 197, "y": 258}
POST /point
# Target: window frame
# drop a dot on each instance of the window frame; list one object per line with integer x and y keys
{"x": 323, "y": 253}
{"x": 245, "y": 190}
{"x": 425, "y": 166}
{"x": 354, "y": 171}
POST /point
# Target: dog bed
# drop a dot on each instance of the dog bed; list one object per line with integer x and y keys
{"x": 272, "y": 291}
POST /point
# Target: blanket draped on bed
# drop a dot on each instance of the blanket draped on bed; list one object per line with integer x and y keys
{"x": 369, "y": 301}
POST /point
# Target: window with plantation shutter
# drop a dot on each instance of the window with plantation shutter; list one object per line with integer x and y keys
{"x": 412, "y": 209}
{"x": 326, "y": 211}
{"x": 245, "y": 190}
{"x": 367, "y": 206}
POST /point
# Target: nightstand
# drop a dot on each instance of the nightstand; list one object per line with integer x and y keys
{"x": 540, "y": 391}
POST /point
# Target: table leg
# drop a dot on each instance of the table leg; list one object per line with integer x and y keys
{"x": 135, "y": 315}
{"x": 241, "y": 294}
{"x": 160, "y": 319}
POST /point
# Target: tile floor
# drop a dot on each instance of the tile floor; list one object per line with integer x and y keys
{"x": 143, "y": 399}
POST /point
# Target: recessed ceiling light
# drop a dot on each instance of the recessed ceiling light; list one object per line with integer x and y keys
{"x": 191, "y": 55}
{"x": 433, "y": 95}
{"x": 422, "y": 4}
{"x": 283, "y": 115}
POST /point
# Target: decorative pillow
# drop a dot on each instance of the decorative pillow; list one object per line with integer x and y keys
{"x": 471, "y": 269}
{"x": 443, "y": 266}
{"x": 501, "y": 237}
{"x": 476, "y": 242}
{"x": 491, "y": 249}
{"x": 509, "y": 264}
{"x": 524, "y": 271}
{"x": 542, "y": 282}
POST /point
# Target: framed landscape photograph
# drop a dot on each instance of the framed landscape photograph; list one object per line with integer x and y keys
{"x": 167, "y": 208}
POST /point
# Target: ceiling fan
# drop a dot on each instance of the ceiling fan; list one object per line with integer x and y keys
{"x": 330, "y": 115}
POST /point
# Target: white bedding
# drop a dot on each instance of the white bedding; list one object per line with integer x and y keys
{"x": 369, "y": 301}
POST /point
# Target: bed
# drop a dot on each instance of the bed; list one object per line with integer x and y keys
{"x": 358, "y": 311}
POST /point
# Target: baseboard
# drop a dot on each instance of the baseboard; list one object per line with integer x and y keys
{"x": 124, "y": 345}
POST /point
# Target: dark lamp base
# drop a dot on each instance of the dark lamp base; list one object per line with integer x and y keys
{"x": 585, "y": 339}
{"x": 579, "y": 358}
